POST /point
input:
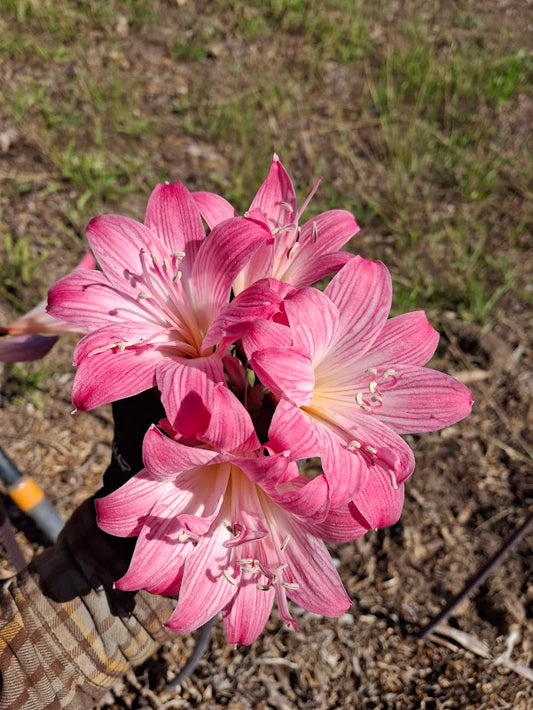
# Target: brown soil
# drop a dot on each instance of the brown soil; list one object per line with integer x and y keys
{"x": 473, "y": 486}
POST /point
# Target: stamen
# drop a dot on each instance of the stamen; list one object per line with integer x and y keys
{"x": 360, "y": 401}
{"x": 177, "y": 254}
{"x": 354, "y": 444}
{"x": 232, "y": 580}
{"x": 284, "y": 543}
{"x": 286, "y": 206}
{"x": 154, "y": 259}
{"x": 388, "y": 373}
{"x": 165, "y": 264}
{"x": 370, "y": 449}
{"x": 145, "y": 294}
{"x": 373, "y": 386}
{"x": 293, "y": 586}
{"x": 177, "y": 277}
{"x": 394, "y": 482}
{"x": 371, "y": 371}
{"x": 292, "y": 250}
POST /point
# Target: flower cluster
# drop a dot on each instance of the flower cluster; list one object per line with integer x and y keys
{"x": 257, "y": 371}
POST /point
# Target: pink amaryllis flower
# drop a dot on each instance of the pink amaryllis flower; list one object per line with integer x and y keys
{"x": 350, "y": 381}
{"x": 299, "y": 255}
{"x": 212, "y": 529}
{"x": 32, "y": 335}
{"x": 162, "y": 285}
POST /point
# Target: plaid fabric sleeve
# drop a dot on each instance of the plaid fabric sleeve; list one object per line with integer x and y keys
{"x": 66, "y": 636}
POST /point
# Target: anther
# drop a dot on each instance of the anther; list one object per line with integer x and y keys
{"x": 370, "y": 449}
{"x": 177, "y": 254}
{"x": 354, "y": 444}
{"x": 154, "y": 259}
{"x": 165, "y": 264}
{"x": 292, "y": 250}
{"x": 293, "y": 586}
{"x": 284, "y": 543}
{"x": 360, "y": 401}
{"x": 145, "y": 294}
{"x": 371, "y": 371}
{"x": 388, "y": 373}
{"x": 229, "y": 577}
{"x": 177, "y": 277}
{"x": 286, "y": 206}
{"x": 373, "y": 386}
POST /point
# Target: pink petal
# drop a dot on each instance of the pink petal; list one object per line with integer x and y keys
{"x": 362, "y": 291}
{"x": 262, "y": 300}
{"x": 316, "y": 255}
{"x": 424, "y": 400}
{"x": 286, "y": 372}
{"x": 290, "y": 431}
{"x": 307, "y": 269}
{"x": 173, "y": 215}
{"x": 340, "y": 525}
{"x": 221, "y": 257}
{"x": 379, "y": 503}
{"x": 205, "y": 591}
{"x": 117, "y": 242}
{"x": 276, "y": 197}
{"x": 156, "y": 565}
{"x": 123, "y": 512}
{"x": 213, "y": 208}
{"x": 263, "y": 335}
{"x": 164, "y": 458}
{"x": 310, "y": 565}
{"x": 408, "y": 339}
{"x": 111, "y": 374}
{"x": 23, "y": 348}
{"x": 258, "y": 268}
{"x": 204, "y": 410}
{"x": 305, "y": 437}
{"x": 88, "y": 300}
{"x": 247, "y": 613}
{"x": 314, "y": 321}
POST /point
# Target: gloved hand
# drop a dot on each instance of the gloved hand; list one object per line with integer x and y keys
{"x": 66, "y": 636}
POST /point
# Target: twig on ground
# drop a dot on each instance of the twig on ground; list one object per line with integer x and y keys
{"x": 478, "y": 579}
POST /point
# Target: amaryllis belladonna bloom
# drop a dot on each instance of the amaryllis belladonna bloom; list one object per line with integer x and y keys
{"x": 298, "y": 255}
{"x": 350, "y": 381}
{"x": 212, "y": 528}
{"x": 163, "y": 283}
{"x": 32, "y": 335}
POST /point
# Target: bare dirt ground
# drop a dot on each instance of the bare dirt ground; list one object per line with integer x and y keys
{"x": 473, "y": 486}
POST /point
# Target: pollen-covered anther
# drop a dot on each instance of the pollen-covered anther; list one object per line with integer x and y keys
{"x": 284, "y": 542}
{"x": 178, "y": 254}
{"x": 292, "y": 586}
{"x": 394, "y": 482}
{"x": 292, "y": 250}
{"x": 371, "y": 450}
{"x": 188, "y": 536}
{"x": 177, "y": 277}
{"x": 231, "y": 579}
{"x": 373, "y": 386}
{"x": 145, "y": 294}
{"x": 389, "y": 373}
{"x": 353, "y": 445}
{"x": 361, "y": 402}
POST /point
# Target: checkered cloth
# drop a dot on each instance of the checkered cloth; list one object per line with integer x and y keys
{"x": 66, "y": 636}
